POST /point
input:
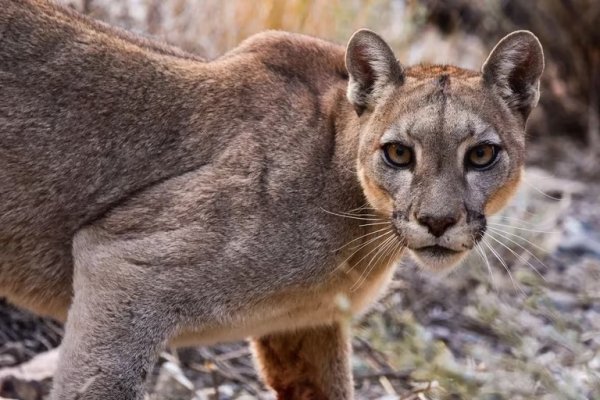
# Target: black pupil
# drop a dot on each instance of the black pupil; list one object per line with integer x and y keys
{"x": 480, "y": 152}
{"x": 399, "y": 151}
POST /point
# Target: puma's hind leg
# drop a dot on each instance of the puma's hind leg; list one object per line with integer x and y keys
{"x": 309, "y": 364}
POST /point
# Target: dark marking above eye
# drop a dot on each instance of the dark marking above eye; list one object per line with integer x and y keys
{"x": 443, "y": 83}
{"x": 471, "y": 129}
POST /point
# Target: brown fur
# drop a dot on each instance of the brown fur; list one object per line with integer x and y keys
{"x": 157, "y": 198}
{"x": 293, "y": 367}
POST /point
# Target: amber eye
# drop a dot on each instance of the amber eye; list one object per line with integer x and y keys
{"x": 482, "y": 156}
{"x": 397, "y": 155}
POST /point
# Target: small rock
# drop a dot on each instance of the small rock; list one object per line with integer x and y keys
{"x": 172, "y": 384}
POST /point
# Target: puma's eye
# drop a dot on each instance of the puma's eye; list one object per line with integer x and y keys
{"x": 397, "y": 155}
{"x": 482, "y": 156}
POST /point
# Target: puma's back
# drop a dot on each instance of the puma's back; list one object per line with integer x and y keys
{"x": 90, "y": 115}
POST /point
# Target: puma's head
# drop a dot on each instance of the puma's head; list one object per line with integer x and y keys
{"x": 441, "y": 148}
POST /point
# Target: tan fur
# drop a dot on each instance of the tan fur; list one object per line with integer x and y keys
{"x": 503, "y": 195}
{"x": 160, "y": 199}
{"x": 375, "y": 195}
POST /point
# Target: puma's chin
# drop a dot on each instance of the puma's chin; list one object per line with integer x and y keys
{"x": 438, "y": 258}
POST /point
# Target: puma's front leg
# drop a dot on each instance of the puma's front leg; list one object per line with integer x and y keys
{"x": 115, "y": 328}
{"x": 309, "y": 364}
{"x": 107, "y": 352}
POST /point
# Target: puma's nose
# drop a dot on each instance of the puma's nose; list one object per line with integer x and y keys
{"x": 437, "y": 225}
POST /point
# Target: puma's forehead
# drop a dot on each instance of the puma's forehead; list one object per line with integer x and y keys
{"x": 436, "y": 99}
{"x": 433, "y": 83}
{"x": 448, "y": 101}
{"x": 437, "y": 82}
{"x": 426, "y": 71}
{"x": 428, "y": 122}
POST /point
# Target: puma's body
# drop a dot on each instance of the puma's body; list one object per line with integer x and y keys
{"x": 90, "y": 121}
{"x": 159, "y": 198}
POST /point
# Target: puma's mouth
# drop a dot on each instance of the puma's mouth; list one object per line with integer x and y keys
{"x": 437, "y": 251}
{"x": 438, "y": 258}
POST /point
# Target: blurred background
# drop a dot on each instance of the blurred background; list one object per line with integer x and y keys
{"x": 521, "y": 320}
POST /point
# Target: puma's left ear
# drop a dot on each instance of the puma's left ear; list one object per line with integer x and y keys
{"x": 371, "y": 66}
{"x": 514, "y": 68}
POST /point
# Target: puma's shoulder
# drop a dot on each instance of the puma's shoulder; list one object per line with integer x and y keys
{"x": 294, "y": 56}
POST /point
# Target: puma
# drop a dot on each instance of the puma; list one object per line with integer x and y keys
{"x": 148, "y": 197}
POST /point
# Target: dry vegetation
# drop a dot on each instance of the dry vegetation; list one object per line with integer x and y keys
{"x": 524, "y": 326}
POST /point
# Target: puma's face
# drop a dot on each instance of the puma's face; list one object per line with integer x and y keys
{"x": 441, "y": 148}
{"x": 438, "y": 168}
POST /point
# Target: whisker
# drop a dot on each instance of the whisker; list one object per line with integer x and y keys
{"x": 359, "y": 248}
{"x": 495, "y": 218}
{"x": 518, "y": 255}
{"x": 361, "y": 211}
{"x": 487, "y": 263}
{"x": 517, "y": 287}
{"x": 531, "y": 185}
{"x": 521, "y": 246}
{"x": 363, "y": 207}
{"x": 376, "y": 223}
{"x": 382, "y": 249}
{"x": 385, "y": 246}
{"x": 369, "y": 253}
{"x": 357, "y": 208}
{"x": 485, "y": 260}
{"x": 360, "y": 237}
{"x": 390, "y": 250}
{"x": 520, "y": 229}
{"x": 500, "y": 232}
{"x": 353, "y": 216}
{"x": 531, "y": 214}
{"x": 399, "y": 245}
{"x": 395, "y": 248}
{"x": 373, "y": 213}
{"x": 359, "y": 214}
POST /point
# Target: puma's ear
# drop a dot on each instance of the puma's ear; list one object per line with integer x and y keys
{"x": 514, "y": 68}
{"x": 371, "y": 66}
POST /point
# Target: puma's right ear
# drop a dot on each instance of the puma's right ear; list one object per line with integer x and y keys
{"x": 371, "y": 66}
{"x": 514, "y": 68}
